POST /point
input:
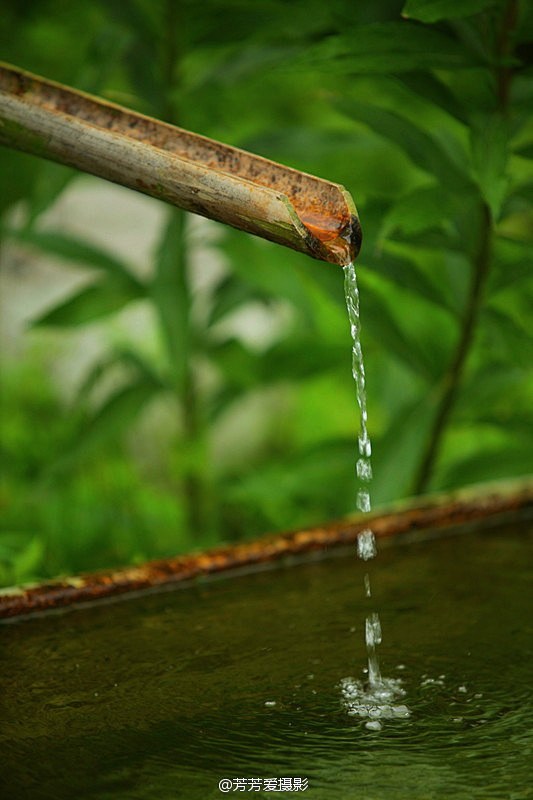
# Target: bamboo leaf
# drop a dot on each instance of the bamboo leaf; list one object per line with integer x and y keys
{"x": 239, "y": 366}
{"x": 436, "y": 10}
{"x": 121, "y": 358}
{"x": 75, "y": 251}
{"x": 18, "y": 174}
{"x": 230, "y": 295}
{"x": 116, "y": 415}
{"x": 91, "y": 303}
{"x": 171, "y": 292}
{"x": 290, "y": 360}
{"x": 52, "y": 180}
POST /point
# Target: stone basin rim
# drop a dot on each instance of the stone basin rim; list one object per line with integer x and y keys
{"x": 482, "y": 505}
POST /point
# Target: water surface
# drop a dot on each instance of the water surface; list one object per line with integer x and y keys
{"x": 164, "y": 695}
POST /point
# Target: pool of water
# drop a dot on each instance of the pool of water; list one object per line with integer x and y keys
{"x": 165, "y": 695}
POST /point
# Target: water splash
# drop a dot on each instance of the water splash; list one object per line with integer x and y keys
{"x": 374, "y": 703}
{"x": 373, "y": 699}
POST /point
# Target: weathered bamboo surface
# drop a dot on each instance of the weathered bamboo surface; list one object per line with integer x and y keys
{"x": 198, "y": 174}
{"x": 483, "y": 506}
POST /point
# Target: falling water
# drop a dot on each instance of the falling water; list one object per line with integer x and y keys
{"x": 366, "y": 542}
{"x": 373, "y": 699}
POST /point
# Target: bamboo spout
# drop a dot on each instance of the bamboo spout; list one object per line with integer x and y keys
{"x": 187, "y": 170}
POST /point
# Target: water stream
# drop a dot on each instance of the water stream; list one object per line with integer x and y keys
{"x": 373, "y": 698}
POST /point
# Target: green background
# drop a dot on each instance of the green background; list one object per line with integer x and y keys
{"x": 218, "y": 403}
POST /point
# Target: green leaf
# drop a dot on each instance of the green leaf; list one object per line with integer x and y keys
{"x": 435, "y": 10}
{"x": 511, "y": 459}
{"x": 18, "y": 174}
{"x": 509, "y": 340}
{"x": 122, "y": 358}
{"x": 238, "y": 365}
{"x": 378, "y": 320}
{"x": 432, "y": 89}
{"x": 491, "y": 387}
{"x": 388, "y": 47}
{"x": 516, "y": 223}
{"x": 525, "y": 151}
{"x": 93, "y": 302}
{"x": 22, "y": 555}
{"x": 298, "y": 359}
{"x": 117, "y": 414}
{"x": 111, "y": 420}
{"x": 511, "y": 263}
{"x": 74, "y": 250}
{"x": 272, "y": 271}
{"x": 489, "y": 137}
{"x": 290, "y": 360}
{"x": 171, "y": 292}
{"x": 230, "y": 295}
{"x": 408, "y": 275}
{"x": 397, "y": 453}
{"x": 423, "y": 150}
{"x": 52, "y": 180}
{"x": 424, "y": 208}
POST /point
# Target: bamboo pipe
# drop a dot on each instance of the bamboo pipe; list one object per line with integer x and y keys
{"x": 187, "y": 170}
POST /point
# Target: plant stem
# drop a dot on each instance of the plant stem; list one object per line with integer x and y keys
{"x": 504, "y": 72}
{"x": 170, "y": 62}
{"x": 193, "y": 485}
{"x": 452, "y": 378}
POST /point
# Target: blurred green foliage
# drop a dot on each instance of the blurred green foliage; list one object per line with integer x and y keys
{"x": 424, "y": 113}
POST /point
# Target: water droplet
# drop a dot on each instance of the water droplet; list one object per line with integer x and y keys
{"x": 363, "y": 501}
{"x": 366, "y": 545}
{"x": 373, "y": 630}
{"x": 364, "y": 469}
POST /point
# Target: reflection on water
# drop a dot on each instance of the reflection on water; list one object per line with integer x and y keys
{"x": 165, "y": 695}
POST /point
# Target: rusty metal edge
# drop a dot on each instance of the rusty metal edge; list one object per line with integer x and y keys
{"x": 466, "y": 507}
